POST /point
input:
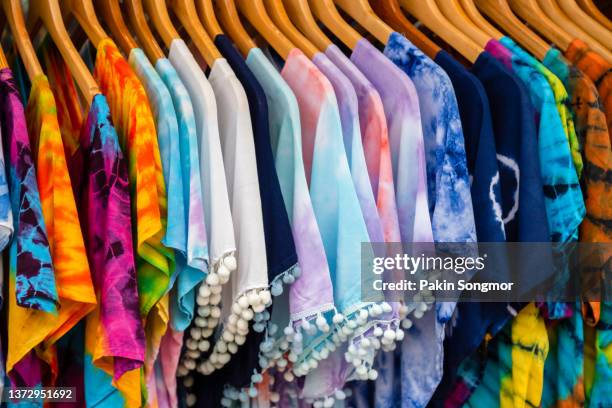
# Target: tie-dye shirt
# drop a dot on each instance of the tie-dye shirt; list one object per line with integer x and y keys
{"x": 374, "y": 142}
{"x": 592, "y": 130}
{"x": 406, "y": 144}
{"x": 72, "y": 274}
{"x": 336, "y": 205}
{"x": 167, "y": 128}
{"x": 135, "y": 126}
{"x": 564, "y": 203}
{"x": 450, "y": 204}
{"x": 195, "y": 265}
{"x": 351, "y": 132}
{"x": 593, "y": 133}
{"x": 31, "y": 276}
{"x": 597, "y": 69}
{"x": 561, "y": 100}
{"x": 99, "y": 176}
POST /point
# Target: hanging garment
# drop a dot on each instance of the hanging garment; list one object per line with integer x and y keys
{"x": 193, "y": 265}
{"x": 523, "y": 213}
{"x": 402, "y": 111}
{"x": 32, "y": 287}
{"x": 591, "y": 128}
{"x": 247, "y": 292}
{"x": 401, "y": 107}
{"x": 597, "y": 69}
{"x": 99, "y": 175}
{"x": 311, "y": 294}
{"x": 336, "y": 205}
{"x": 351, "y": 133}
{"x": 374, "y": 142}
{"x": 593, "y": 135}
{"x": 175, "y": 229}
{"x": 217, "y": 215}
{"x": 565, "y": 210}
{"x": 281, "y": 254}
{"x": 333, "y": 372}
{"x": 72, "y": 274}
{"x": 480, "y": 149}
{"x": 450, "y": 204}
{"x": 561, "y": 100}
{"x": 132, "y": 115}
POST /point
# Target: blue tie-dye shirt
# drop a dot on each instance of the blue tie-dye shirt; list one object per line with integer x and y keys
{"x": 450, "y": 207}
{"x": 193, "y": 268}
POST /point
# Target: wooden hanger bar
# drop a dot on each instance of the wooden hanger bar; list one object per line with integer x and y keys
{"x": 427, "y": 12}
{"x": 255, "y": 12}
{"x": 593, "y": 11}
{"x": 586, "y": 22}
{"x": 554, "y": 12}
{"x": 158, "y": 13}
{"x": 361, "y": 12}
{"x": 16, "y": 21}
{"x": 49, "y": 12}
{"x": 299, "y": 12}
{"x": 391, "y": 13}
{"x": 530, "y": 11}
{"x": 226, "y": 10}
{"x": 186, "y": 12}
{"x": 279, "y": 16}
{"x": 452, "y": 10}
{"x": 500, "y": 12}
{"x": 112, "y": 16}
{"x": 139, "y": 23}
{"x": 85, "y": 14}
{"x": 206, "y": 11}
{"x": 472, "y": 12}
{"x": 326, "y": 12}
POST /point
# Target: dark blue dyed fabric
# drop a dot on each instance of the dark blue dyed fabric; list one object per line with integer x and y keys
{"x": 479, "y": 148}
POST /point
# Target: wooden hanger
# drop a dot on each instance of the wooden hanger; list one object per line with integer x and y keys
{"x": 279, "y": 16}
{"x": 428, "y": 13}
{"x": 85, "y": 14}
{"x": 452, "y": 10}
{"x": 299, "y": 12}
{"x": 255, "y": 12}
{"x": 14, "y": 16}
{"x": 111, "y": 13}
{"x": 361, "y": 12}
{"x": 3, "y": 61}
{"x": 207, "y": 17}
{"x": 186, "y": 12}
{"x": 593, "y": 11}
{"x": 158, "y": 13}
{"x": 138, "y": 21}
{"x": 391, "y": 12}
{"x": 586, "y": 22}
{"x": 326, "y": 12}
{"x": 554, "y": 12}
{"x": 472, "y": 12}
{"x": 226, "y": 10}
{"x": 500, "y": 12}
{"x": 49, "y": 12}
{"x": 530, "y": 11}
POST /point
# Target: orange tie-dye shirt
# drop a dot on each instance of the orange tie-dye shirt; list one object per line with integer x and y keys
{"x": 135, "y": 127}
{"x": 72, "y": 274}
{"x": 596, "y": 68}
